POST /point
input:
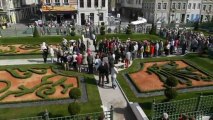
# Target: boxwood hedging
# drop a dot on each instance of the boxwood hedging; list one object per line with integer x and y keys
{"x": 8, "y": 85}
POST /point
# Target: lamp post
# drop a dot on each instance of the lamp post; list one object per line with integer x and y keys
{"x": 173, "y": 11}
{"x": 98, "y": 9}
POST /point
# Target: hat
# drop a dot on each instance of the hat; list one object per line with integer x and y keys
{"x": 165, "y": 116}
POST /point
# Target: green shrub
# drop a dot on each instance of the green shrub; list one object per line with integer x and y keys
{"x": 15, "y": 74}
{"x": 196, "y": 25}
{"x": 128, "y": 30}
{"x": 35, "y": 32}
{"x": 171, "y": 81}
{"x": 170, "y": 93}
{"x": 8, "y": 84}
{"x": 66, "y": 87}
{"x": 109, "y": 30}
{"x": 73, "y": 31}
{"x": 45, "y": 91}
{"x": 102, "y": 29}
{"x": 75, "y": 93}
{"x": 153, "y": 30}
{"x": 74, "y": 108}
{"x": 190, "y": 69}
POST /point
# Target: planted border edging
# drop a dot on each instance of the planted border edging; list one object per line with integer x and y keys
{"x": 84, "y": 98}
{"x": 32, "y": 40}
{"x": 137, "y": 93}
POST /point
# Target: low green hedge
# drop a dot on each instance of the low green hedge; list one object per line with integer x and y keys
{"x": 45, "y": 91}
{"x": 8, "y": 85}
{"x": 32, "y": 40}
{"x": 15, "y": 74}
{"x": 124, "y": 37}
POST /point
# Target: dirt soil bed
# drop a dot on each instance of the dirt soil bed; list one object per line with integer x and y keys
{"x": 34, "y": 80}
{"x": 147, "y": 82}
{"x": 18, "y": 49}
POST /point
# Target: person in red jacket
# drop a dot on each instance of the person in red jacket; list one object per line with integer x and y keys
{"x": 79, "y": 60}
{"x": 152, "y": 49}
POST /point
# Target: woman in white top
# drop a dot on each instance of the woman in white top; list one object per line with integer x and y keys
{"x": 114, "y": 72}
{"x": 97, "y": 62}
{"x": 51, "y": 51}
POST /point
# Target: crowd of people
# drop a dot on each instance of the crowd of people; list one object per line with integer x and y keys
{"x": 77, "y": 54}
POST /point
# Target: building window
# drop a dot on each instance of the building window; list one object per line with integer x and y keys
{"x": 101, "y": 16}
{"x": 198, "y": 6}
{"x": 96, "y": 3}
{"x": 159, "y": 5}
{"x": 139, "y": 1}
{"x": 184, "y": 6}
{"x": 189, "y": 5}
{"x": 173, "y": 5}
{"x": 66, "y": 2}
{"x": 81, "y": 3}
{"x": 210, "y": 7}
{"x": 179, "y": 6}
{"x": 103, "y": 3}
{"x": 48, "y": 2}
{"x": 194, "y": 6}
{"x": 164, "y": 5}
{"x": 89, "y": 3}
{"x": 204, "y": 7}
{"x": 92, "y": 17}
{"x": 57, "y": 2}
{"x": 83, "y": 19}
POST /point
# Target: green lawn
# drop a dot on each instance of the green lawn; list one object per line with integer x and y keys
{"x": 146, "y": 103}
{"x": 32, "y": 40}
{"x": 93, "y": 104}
{"x": 124, "y": 37}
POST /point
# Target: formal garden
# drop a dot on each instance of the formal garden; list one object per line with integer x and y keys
{"x": 156, "y": 93}
{"x": 32, "y": 89}
{"x": 170, "y": 84}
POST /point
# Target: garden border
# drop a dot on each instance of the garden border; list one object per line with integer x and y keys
{"x": 137, "y": 93}
{"x": 84, "y": 98}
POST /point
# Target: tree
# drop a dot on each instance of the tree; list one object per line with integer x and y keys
{"x": 196, "y": 25}
{"x": 128, "y": 30}
{"x": 170, "y": 93}
{"x": 171, "y": 81}
{"x": 74, "y": 108}
{"x": 35, "y": 32}
{"x": 75, "y": 93}
{"x": 153, "y": 30}
{"x": 102, "y": 29}
{"x": 72, "y": 31}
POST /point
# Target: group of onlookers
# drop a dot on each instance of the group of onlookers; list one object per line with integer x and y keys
{"x": 77, "y": 54}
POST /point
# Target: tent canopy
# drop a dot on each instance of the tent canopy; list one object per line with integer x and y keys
{"x": 140, "y": 21}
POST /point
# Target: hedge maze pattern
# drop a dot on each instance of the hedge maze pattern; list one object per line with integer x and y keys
{"x": 29, "y": 48}
{"x": 43, "y": 90}
{"x": 183, "y": 75}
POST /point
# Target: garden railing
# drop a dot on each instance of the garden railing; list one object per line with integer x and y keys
{"x": 203, "y": 104}
{"x": 107, "y": 115}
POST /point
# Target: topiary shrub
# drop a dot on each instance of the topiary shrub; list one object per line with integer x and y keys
{"x": 196, "y": 25}
{"x": 170, "y": 93}
{"x": 128, "y": 30}
{"x": 109, "y": 30}
{"x": 153, "y": 30}
{"x": 171, "y": 81}
{"x": 74, "y": 108}
{"x": 35, "y": 32}
{"x": 102, "y": 29}
{"x": 75, "y": 93}
{"x": 73, "y": 31}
